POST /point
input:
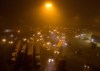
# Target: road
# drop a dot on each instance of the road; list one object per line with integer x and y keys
{"x": 87, "y": 56}
{"x": 32, "y": 55}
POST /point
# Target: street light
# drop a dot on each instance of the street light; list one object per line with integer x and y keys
{"x": 49, "y": 14}
{"x": 48, "y": 5}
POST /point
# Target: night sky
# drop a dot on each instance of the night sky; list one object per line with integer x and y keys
{"x": 18, "y": 13}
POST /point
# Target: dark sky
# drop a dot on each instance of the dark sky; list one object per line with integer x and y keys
{"x": 17, "y": 13}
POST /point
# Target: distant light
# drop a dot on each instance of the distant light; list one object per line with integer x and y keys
{"x": 12, "y": 35}
{"x": 39, "y": 33}
{"x": 41, "y": 36}
{"x": 56, "y": 52}
{"x": 54, "y": 30}
{"x": 85, "y": 66}
{"x": 7, "y": 30}
{"x": 10, "y": 42}
{"x": 18, "y": 31}
{"x": 33, "y": 35}
{"x": 88, "y": 67}
{"x": 48, "y": 43}
{"x": 43, "y": 44}
{"x": 37, "y": 40}
{"x": 76, "y": 36}
{"x": 57, "y": 32}
{"x": 60, "y": 40}
{"x": 57, "y": 37}
{"x": 63, "y": 37}
{"x": 31, "y": 38}
{"x": 66, "y": 44}
{"x": 54, "y": 45}
{"x": 51, "y": 60}
{"x": 4, "y": 40}
{"x": 49, "y": 31}
{"x": 24, "y": 39}
{"x": 48, "y": 37}
{"x": 82, "y": 35}
{"x": 13, "y": 59}
{"x": 97, "y": 54}
{"x": 92, "y": 40}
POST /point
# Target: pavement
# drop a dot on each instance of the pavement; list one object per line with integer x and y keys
{"x": 79, "y": 56}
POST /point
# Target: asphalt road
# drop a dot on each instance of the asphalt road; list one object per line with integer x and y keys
{"x": 85, "y": 56}
{"x": 78, "y": 54}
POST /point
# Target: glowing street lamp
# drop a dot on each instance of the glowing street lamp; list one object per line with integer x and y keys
{"x": 50, "y": 14}
{"x": 48, "y": 5}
